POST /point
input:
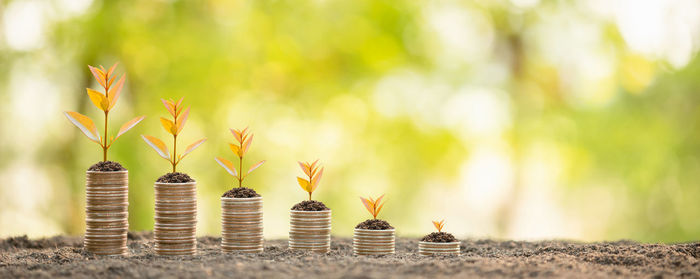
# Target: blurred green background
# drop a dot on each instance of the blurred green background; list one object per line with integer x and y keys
{"x": 522, "y": 119}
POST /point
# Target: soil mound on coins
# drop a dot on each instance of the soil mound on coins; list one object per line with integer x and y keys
{"x": 439, "y": 237}
{"x": 241, "y": 192}
{"x": 175, "y": 177}
{"x": 106, "y": 166}
{"x": 310, "y": 206}
{"x": 374, "y": 224}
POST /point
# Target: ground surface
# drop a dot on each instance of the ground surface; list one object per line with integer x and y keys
{"x": 64, "y": 257}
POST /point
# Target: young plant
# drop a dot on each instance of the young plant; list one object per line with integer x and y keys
{"x": 439, "y": 225}
{"x": 174, "y": 127}
{"x": 373, "y": 206}
{"x": 312, "y": 171}
{"x": 105, "y": 102}
{"x": 240, "y": 148}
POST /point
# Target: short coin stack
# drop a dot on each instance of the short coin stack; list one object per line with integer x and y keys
{"x": 373, "y": 242}
{"x": 242, "y": 225}
{"x": 432, "y": 248}
{"x": 310, "y": 230}
{"x": 176, "y": 218}
{"x": 107, "y": 212}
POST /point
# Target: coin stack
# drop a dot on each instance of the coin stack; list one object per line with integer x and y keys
{"x": 310, "y": 230}
{"x": 444, "y": 248}
{"x": 373, "y": 242}
{"x": 176, "y": 218}
{"x": 242, "y": 225}
{"x": 107, "y": 212}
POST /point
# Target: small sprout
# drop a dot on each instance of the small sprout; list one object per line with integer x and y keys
{"x": 174, "y": 127}
{"x": 312, "y": 171}
{"x": 240, "y": 148}
{"x": 373, "y": 206}
{"x": 104, "y": 102}
{"x": 439, "y": 225}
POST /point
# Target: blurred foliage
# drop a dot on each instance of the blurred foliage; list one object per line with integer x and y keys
{"x": 391, "y": 101}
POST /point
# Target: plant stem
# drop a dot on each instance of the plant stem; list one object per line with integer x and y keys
{"x": 309, "y": 195}
{"x": 174, "y": 152}
{"x": 240, "y": 168}
{"x": 105, "y": 147}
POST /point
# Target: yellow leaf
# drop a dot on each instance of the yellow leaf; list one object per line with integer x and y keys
{"x": 227, "y": 165}
{"x": 304, "y": 184}
{"x": 255, "y": 166}
{"x": 111, "y": 69}
{"x": 98, "y": 99}
{"x": 158, "y": 145}
{"x": 169, "y": 106}
{"x": 236, "y": 149}
{"x": 182, "y": 119}
{"x": 128, "y": 125}
{"x": 305, "y": 168}
{"x": 99, "y": 75}
{"x": 316, "y": 179}
{"x": 246, "y": 145}
{"x": 115, "y": 91}
{"x": 237, "y": 135}
{"x": 192, "y": 147}
{"x": 168, "y": 125}
{"x": 85, "y": 125}
{"x": 179, "y": 102}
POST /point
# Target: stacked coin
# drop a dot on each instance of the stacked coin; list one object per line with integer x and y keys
{"x": 310, "y": 230}
{"x": 242, "y": 225}
{"x": 373, "y": 242}
{"x": 107, "y": 212}
{"x": 176, "y": 218}
{"x": 432, "y": 248}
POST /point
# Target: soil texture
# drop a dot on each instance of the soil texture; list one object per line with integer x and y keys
{"x": 64, "y": 257}
{"x": 439, "y": 237}
{"x": 310, "y": 205}
{"x": 107, "y": 166}
{"x": 175, "y": 177}
{"x": 374, "y": 224}
{"x": 240, "y": 192}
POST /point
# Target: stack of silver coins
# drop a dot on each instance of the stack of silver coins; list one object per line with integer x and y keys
{"x": 433, "y": 248}
{"x": 373, "y": 242}
{"x": 176, "y": 218}
{"x": 242, "y": 225}
{"x": 310, "y": 230}
{"x": 107, "y": 212}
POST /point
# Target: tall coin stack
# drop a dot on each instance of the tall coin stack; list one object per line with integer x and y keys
{"x": 242, "y": 225}
{"x": 373, "y": 242}
{"x": 176, "y": 218}
{"x": 107, "y": 212}
{"x": 310, "y": 230}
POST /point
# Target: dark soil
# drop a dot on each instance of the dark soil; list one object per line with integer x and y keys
{"x": 240, "y": 192}
{"x": 175, "y": 177}
{"x": 310, "y": 205}
{"x": 374, "y": 224}
{"x": 106, "y": 166}
{"x": 63, "y": 257}
{"x": 439, "y": 237}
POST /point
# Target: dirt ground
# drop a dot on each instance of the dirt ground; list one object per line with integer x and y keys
{"x": 64, "y": 257}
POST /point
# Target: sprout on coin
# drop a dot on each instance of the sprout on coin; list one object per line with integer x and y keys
{"x": 243, "y": 141}
{"x": 374, "y": 206}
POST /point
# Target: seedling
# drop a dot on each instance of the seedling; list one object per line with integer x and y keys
{"x": 373, "y": 206}
{"x": 105, "y": 102}
{"x": 439, "y": 225}
{"x": 312, "y": 171}
{"x": 240, "y": 148}
{"x": 174, "y": 127}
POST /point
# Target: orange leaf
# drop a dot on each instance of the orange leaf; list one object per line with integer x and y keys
{"x": 368, "y": 205}
{"x": 246, "y": 145}
{"x": 314, "y": 181}
{"x": 85, "y": 125}
{"x": 111, "y": 69}
{"x": 115, "y": 92}
{"x": 169, "y": 106}
{"x": 168, "y": 125}
{"x": 305, "y": 168}
{"x": 255, "y": 166}
{"x": 236, "y": 135}
{"x": 182, "y": 119}
{"x": 158, "y": 146}
{"x": 379, "y": 208}
{"x": 236, "y": 149}
{"x": 179, "y": 102}
{"x": 192, "y": 147}
{"x": 227, "y": 165}
{"x": 99, "y": 75}
{"x": 128, "y": 125}
{"x": 304, "y": 184}
{"x": 98, "y": 99}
